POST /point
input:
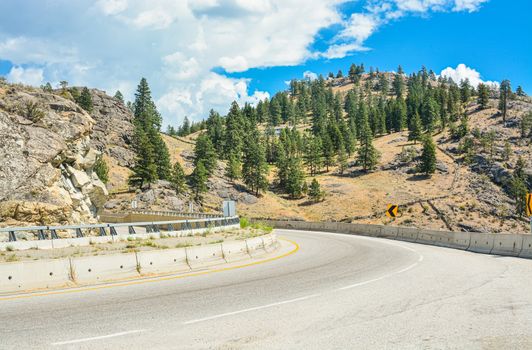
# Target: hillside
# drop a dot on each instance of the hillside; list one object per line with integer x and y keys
{"x": 469, "y": 196}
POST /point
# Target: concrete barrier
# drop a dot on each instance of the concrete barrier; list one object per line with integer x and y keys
{"x": 17, "y": 276}
{"x": 203, "y": 256}
{"x": 408, "y": 234}
{"x": 255, "y": 246}
{"x": 235, "y": 251}
{"x": 481, "y": 243}
{"x": 162, "y": 261}
{"x": 526, "y": 252}
{"x": 89, "y": 269}
{"x": 501, "y": 244}
{"x": 505, "y": 244}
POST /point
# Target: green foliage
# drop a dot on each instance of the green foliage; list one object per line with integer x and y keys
{"x": 85, "y": 100}
{"x": 254, "y": 167}
{"x": 152, "y": 153}
{"x": 342, "y": 160}
{"x": 31, "y": 110}
{"x": 234, "y": 168}
{"x": 505, "y": 91}
{"x": 198, "y": 181}
{"x": 415, "y": 129}
{"x": 119, "y": 96}
{"x": 368, "y": 156}
{"x": 204, "y": 152}
{"x": 101, "y": 169}
{"x": 177, "y": 178}
{"x": 483, "y": 95}
{"x": 314, "y": 192}
{"x": 428, "y": 157}
{"x": 519, "y": 188}
{"x": 313, "y": 152}
{"x": 526, "y": 125}
{"x": 47, "y": 87}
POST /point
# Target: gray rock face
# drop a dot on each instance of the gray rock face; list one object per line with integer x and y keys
{"x": 46, "y": 168}
{"x": 113, "y": 131}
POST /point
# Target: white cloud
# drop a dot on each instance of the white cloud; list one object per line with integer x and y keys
{"x": 462, "y": 72}
{"x": 112, "y": 7}
{"x": 177, "y": 45}
{"x": 28, "y": 76}
{"x": 468, "y": 5}
{"x": 310, "y": 75}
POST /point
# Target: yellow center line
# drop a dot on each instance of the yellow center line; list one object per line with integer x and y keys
{"x": 153, "y": 279}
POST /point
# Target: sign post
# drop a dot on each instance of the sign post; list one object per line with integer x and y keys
{"x": 529, "y": 209}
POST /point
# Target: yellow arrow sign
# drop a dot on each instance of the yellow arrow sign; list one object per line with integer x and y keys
{"x": 529, "y": 204}
{"x": 391, "y": 212}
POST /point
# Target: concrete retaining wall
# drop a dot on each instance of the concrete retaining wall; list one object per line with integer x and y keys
{"x": 500, "y": 244}
{"x": 27, "y": 275}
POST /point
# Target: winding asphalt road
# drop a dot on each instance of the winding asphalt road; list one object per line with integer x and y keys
{"x": 332, "y": 292}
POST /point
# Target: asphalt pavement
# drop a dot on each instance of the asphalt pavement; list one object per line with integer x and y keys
{"x": 323, "y": 291}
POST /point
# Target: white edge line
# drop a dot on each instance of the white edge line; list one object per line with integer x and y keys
{"x": 420, "y": 259}
{"x": 82, "y": 340}
{"x": 251, "y": 309}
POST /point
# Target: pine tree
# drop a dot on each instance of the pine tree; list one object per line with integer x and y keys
{"x": 415, "y": 129}
{"x": 254, "y": 166}
{"x": 48, "y": 87}
{"x": 233, "y": 171}
{"x": 342, "y": 161}
{"x": 101, "y": 169}
{"x": 204, "y": 152}
{"x": 215, "y": 131}
{"x": 119, "y": 96}
{"x": 198, "y": 182}
{"x": 483, "y": 96}
{"x": 428, "y": 156}
{"x": 368, "y": 155}
{"x": 295, "y": 178}
{"x": 177, "y": 178}
{"x": 505, "y": 93}
{"x": 518, "y": 187}
{"x": 275, "y": 112}
{"x": 85, "y": 100}
{"x": 234, "y": 133}
{"x": 314, "y": 192}
{"x": 399, "y": 85}
{"x": 465, "y": 90}
{"x": 161, "y": 155}
{"x": 313, "y": 153}
{"x": 328, "y": 151}
{"x": 144, "y": 170}
{"x": 519, "y": 91}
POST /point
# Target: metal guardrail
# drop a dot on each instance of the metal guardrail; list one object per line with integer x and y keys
{"x": 174, "y": 213}
{"x": 50, "y": 232}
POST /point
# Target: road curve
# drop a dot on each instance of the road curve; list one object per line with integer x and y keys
{"x": 337, "y": 291}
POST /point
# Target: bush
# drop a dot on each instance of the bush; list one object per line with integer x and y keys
{"x": 32, "y": 111}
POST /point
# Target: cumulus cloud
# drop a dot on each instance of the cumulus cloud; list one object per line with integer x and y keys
{"x": 462, "y": 72}
{"x": 28, "y": 76}
{"x": 310, "y": 75}
{"x": 177, "y": 45}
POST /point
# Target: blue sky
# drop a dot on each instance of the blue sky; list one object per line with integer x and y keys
{"x": 202, "y": 54}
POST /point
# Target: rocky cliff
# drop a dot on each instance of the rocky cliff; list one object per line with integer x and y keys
{"x": 46, "y": 159}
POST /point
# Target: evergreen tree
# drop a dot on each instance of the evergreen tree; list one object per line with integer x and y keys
{"x": 184, "y": 129}
{"x": 368, "y": 155}
{"x": 342, "y": 161}
{"x": 204, "y": 152}
{"x": 526, "y": 125}
{"x": 144, "y": 169}
{"x": 415, "y": 129}
{"x": 254, "y": 167}
{"x": 383, "y": 84}
{"x": 177, "y": 178}
{"x": 234, "y": 133}
{"x": 85, "y": 100}
{"x": 295, "y": 178}
{"x": 215, "y": 131}
{"x": 275, "y": 112}
{"x": 119, "y": 96}
{"x": 48, "y": 87}
{"x": 313, "y": 153}
{"x": 198, "y": 182}
{"x": 339, "y": 74}
{"x": 101, "y": 169}
{"x": 465, "y": 90}
{"x": 314, "y": 192}
{"x": 483, "y": 96}
{"x": 505, "y": 93}
{"x": 328, "y": 151}
{"x": 520, "y": 92}
{"x": 518, "y": 187}
{"x": 234, "y": 168}
{"x": 428, "y": 156}
{"x": 399, "y": 85}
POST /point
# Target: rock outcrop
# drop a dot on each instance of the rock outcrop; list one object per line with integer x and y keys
{"x": 113, "y": 131}
{"x": 46, "y": 167}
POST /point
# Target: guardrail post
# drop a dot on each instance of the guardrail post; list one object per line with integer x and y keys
{"x": 41, "y": 235}
{"x": 170, "y": 227}
{"x": 131, "y": 230}
{"x": 79, "y": 234}
{"x": 53, "y": 233}
{"x": 12, "y": 236}
{"x": 113, "y": 231}
{"x": 156, "y": 228}
{"x": 102, "y": 231}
